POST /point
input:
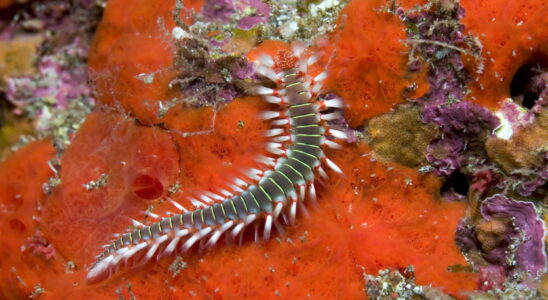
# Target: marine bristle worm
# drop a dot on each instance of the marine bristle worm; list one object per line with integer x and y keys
{"x": 299, "y": 135}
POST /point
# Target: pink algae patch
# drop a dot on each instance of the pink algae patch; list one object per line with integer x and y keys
{"x": 79, "y": 217}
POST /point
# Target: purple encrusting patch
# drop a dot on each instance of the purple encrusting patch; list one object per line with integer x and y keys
{"x": 262, "y": 11}
{"x": 247, "y": 23}
{"x": 250, "y": 12}
{"x": 443, "y": 105}
{"x": 528, "y": 184}
{"x": 528, "y": 232}
{"x": 58, "y": 79}
{"x": 457, "y": 121}
{"x": 218, "y": 10}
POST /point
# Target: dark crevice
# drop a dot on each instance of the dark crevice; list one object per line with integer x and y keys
{"x": 456, "y": 182}
{"x": 524, "y": 88}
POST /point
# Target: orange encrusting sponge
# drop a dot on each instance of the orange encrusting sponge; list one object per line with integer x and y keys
{"x": 513, "y": 33}
{"x": 24, "y": 254}
{"x": 368, "y": 61}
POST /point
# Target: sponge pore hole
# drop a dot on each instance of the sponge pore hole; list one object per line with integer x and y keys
{"x": 17, "y": 226}
{"x": 147, "y": 187}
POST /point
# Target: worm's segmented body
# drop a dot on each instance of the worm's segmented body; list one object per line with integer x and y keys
{"x": 298, "y": 138}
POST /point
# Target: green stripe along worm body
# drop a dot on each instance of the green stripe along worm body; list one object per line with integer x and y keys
{"x": 300, "y": 133}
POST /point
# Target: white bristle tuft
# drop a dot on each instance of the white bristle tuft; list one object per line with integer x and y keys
{"x": 217, "y": 234}
{"x": 273, "y": 99}
{"x": 280, "y": 122}
{"x": 253, "y": 174}
{"x": 298, "y": 49}
{"x": 206, "y": 199}
{"x": 334, "y": 103}
{"x": 312, "y": 60}
{"x": 274, "y": 132}
{"x": 320, "y": 77}
{"x": 177, "y": 205}
{"x": 312, "y": 193}
{"x": 303, "y": 65}
{"x": 152, "y": 215}
{"x": 250, "y": 218}
{"x": 316, "y": 88}
{"x": 226, "y": 193}
{"x": 181, "y": 232}
{"x": 266, "y": 60}
{"x": 120, "y": 255}
{"x": 281, "y": 139}
{"x": 333, "y": 166}
{"x": 267, "y": 115}
{"x": 151, "y": 251}
{"x": 262, "y": 90}
{"x": 197, "y": 203}
{"x": 137, "y": 223}
{"x": 275, "y": 148}
{"x": 338, "y": 134}
{"x": 213, "y": 239}
{"x": 240, "y": 182}
{"x": 236, "y": 188}
{"x": 269, "y": 161}
{"x": 331, "y": 116}
{"x": 215, "y": 196}
{"x": 292, "y": 195}
{"x": 236, "y": 230}
{"x": 134, "y": 250}
{"x": 161, "y": 239}
{"x": 171, "y": 246}
{"x": 322, "y": 173}
{"x": 193, "y": 239}
{"x": 267, "y": 72}
{"x": 332, "y": 144}
{"x": 293, "y": 212}
{"x": 277, "y": 210}
{"x": 267, "y": 227}
{"x": 302, "y": 192}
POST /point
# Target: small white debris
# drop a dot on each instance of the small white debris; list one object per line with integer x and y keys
{"x": 146, "y": 78}
{"x": 178, "y": 33}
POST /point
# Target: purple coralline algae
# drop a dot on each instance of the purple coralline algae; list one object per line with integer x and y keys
{"x": 249, "y": 13}
{"x": 61, "y": 78}
{"x": 523, "y": 246}
{"x": 510, "y": 237}
{"x": 436, "y": 39}
{"x": 218, "y": 10}
{"x": 458, "y": 122}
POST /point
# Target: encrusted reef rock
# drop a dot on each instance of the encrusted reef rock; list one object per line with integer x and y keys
{"x": 443, "y": 186}
{"x": 400, "y": 135}
{"x": 17, "y": 57}
{"x": 525, "y": 149}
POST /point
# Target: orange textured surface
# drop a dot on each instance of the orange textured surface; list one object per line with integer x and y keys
{"x": 218, "y": 157}
{"x": 21, "y": 179}
{"x": 363, "y": 223}
{"x": 107, "y": 143}
{"x": 129, "y": 42}
{"x": 366, "y": 220}
{"x": 513, "y": 33}
{"x": 369, "y": 69}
